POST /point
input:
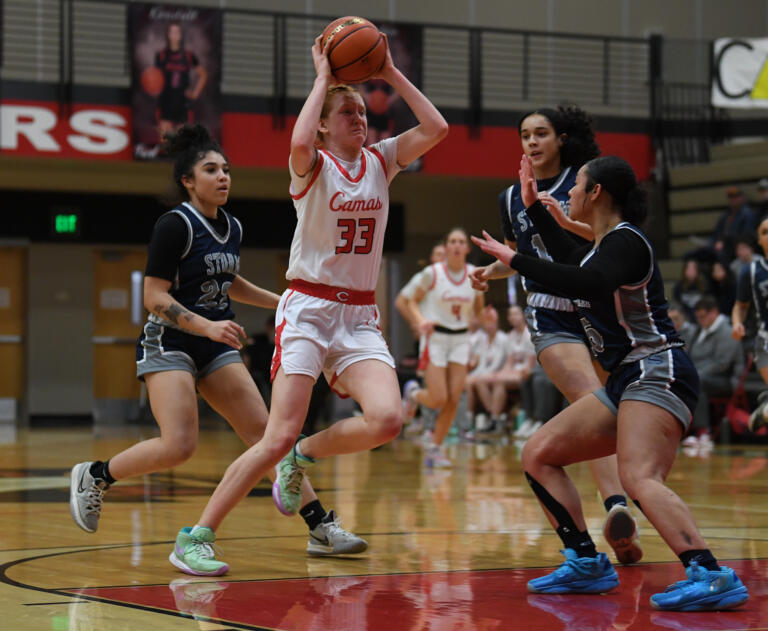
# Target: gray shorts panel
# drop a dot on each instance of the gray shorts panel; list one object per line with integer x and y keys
{"x": 664, "y": 399}
{"x": 650, "y": 394}
{"x": 545, "y": 340}
{"x": 156, "y": 360}
{"x": 603, "y": 397}
{"x": 233, "y": 357}
{"x": 761, "y": 353}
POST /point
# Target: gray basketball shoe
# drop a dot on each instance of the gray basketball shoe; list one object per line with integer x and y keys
{"x": 330, "y": 538}
{"x": 86, "y": 494}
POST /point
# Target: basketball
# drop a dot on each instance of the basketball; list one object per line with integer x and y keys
{"x": 356, "y": 49}
{"x": 152, "y": 80}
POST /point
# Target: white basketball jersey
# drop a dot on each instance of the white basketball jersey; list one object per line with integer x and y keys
{"x": 450, "y": 298}
{"x": 342, "y": 211}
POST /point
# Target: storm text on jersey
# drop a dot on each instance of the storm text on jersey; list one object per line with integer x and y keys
{"x": 222, "y": 263}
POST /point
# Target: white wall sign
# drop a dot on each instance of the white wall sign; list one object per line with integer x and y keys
{"x": 740, "y": 72}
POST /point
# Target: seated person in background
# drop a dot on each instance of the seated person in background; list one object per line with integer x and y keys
{"x": 541, "y": 400}
{"x": 722, "y": 286}
{"x": 516, "y": 370}
{"x": 745, "y": 254}
{"x": 719, "y": 361}
{"x": 684, "y": 327}
{"x": 488, "y": 355}
{"x": 690, "y": 288}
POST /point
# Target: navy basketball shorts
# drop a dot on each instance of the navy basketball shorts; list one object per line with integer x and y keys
{"x": 162, "y": 348}
{"x": 667, "y": 379}
{"x": 549, "y": 327}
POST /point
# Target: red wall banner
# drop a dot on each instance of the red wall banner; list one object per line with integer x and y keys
{"x": 104, "y": 132}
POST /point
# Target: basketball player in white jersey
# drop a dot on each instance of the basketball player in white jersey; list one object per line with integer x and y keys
{"x": 442, "y": 305}
{"x": 427, "y": 416}
{"x": 327, "y": 320}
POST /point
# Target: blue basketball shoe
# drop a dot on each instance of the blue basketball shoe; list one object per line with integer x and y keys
{"x": 703, "y": 590}
{"x": 578, "y": 575}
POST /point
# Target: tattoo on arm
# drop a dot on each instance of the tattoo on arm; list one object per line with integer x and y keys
{"x": 173, "y": 312}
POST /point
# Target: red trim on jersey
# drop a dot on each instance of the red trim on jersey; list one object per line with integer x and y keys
{"x": 334, "y": 379}
{"x": 343, "y": 170}
{"x": 434, "y": 276}
{"x": 335, "y": 294}
{"x": 381, "y": 159}
{"x": 455, "y": 282}
{"x": 318, "y": 166}
{"x": 278, "y": 353}
{"x": 424, "y": 357}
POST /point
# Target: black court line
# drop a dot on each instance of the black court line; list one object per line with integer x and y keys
{"x": 61, "y": 602}
{"x": 63, "y": 592}
{"x": 4, "y": 578}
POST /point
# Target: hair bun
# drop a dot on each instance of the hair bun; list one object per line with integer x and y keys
{"x": 186, "y": 137}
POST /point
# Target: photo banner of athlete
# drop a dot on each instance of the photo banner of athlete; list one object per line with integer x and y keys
{"x": 388, "y": 115}
{"x": 740, "y": 73}
{"x": 175, "y": 72}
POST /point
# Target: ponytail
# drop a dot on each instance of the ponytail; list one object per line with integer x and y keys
{"x": 616, "y": 177}
{"x": 187, "y": 145}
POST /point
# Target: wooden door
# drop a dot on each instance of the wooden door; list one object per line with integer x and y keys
{"x": 13, "y": 265}
{"x": 114, "y": 332}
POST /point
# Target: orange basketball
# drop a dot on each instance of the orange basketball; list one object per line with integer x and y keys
{"x": 152, "y": 80}
{"x": 356, "y": 49}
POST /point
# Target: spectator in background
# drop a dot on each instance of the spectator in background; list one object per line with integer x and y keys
{"x": 488, "y": 356}
{"x": 761, "y": 208}
{"x": 257, "y": 357}
{"x": 684, "y": 327}
{"x": 745, "y": 254}
{"x": 722, "y": 286}
{"x": 520, "y": 358}
{"x": 719, "y": 361}
{"x": 737, "y": 220}
{"x": 690, "y": 288}
{"x": 541, "y": 401}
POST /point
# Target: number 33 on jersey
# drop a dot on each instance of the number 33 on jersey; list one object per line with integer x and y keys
{"x": 342, "y": 209}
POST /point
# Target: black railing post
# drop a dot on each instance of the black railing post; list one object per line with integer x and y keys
{"x": 279, "y": 80}
{"x": 526, "y": 61}
{"x": 66, "y": 61}
{"x": 475, "y": 81}
{"x": 606, "y": 70}
{"x": 655, "y": 78}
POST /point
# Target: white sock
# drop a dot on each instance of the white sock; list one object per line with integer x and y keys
{"x": 195, "y": 528}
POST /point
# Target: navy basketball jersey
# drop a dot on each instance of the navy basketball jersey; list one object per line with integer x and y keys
{"x": 519, "y": 228}
{"x": 207, "y": 267}
{"x": 753, "y": 286}
{"x": 633, "y": 325}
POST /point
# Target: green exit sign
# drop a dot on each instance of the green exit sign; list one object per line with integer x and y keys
{"x": 65, "y": 223}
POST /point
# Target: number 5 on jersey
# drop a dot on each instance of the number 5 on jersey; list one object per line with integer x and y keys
{"x": 356, "y": 231}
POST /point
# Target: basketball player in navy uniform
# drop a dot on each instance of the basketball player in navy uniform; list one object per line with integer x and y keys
{"x": 753, "y": 288}
{"x": 558, "y": 141}
{"x": 177, "y": 64}
{"x": 191, "y": 344}
{"x": 648, "y": 399}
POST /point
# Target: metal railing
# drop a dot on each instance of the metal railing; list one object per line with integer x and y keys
{"x": 266, "y": 54}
